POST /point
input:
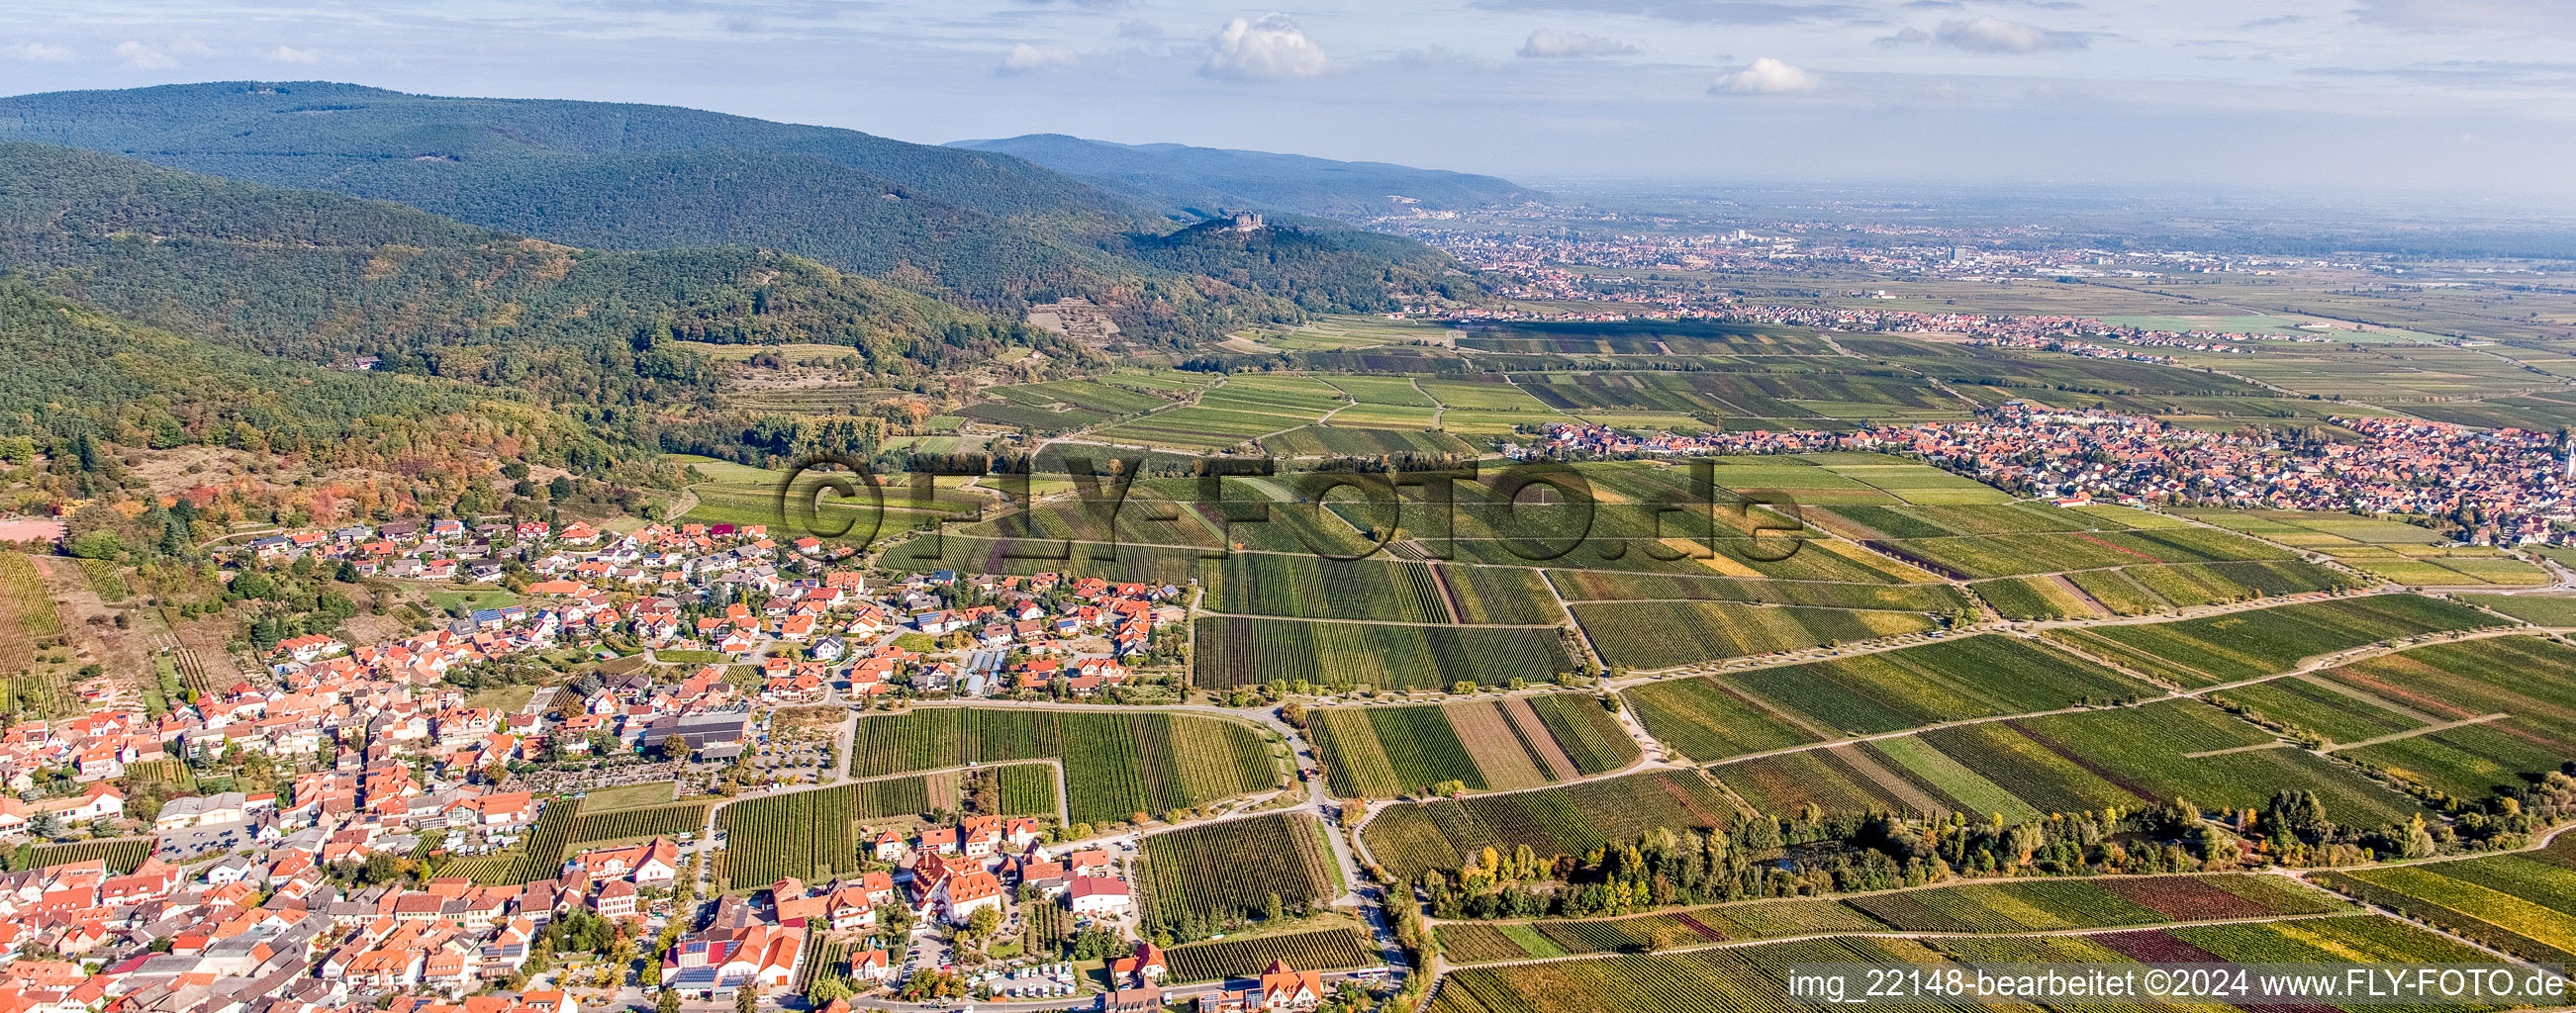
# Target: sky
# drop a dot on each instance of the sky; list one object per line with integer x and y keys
{"x": 2463, "y": 98}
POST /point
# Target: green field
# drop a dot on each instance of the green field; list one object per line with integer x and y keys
{"x": 1995, "y": 908}
{"x": 2393, "y": 550}
{"x": 640, "y": 823}
{"x": 2538, "y": 610}
{"x": 1220, "y": 875}
{"x": 1232, "y": 651}
{"x": 804, "y": 834}
{"x": 1242, "y": 408}
{"x": 629, "y": 796}
{"x": 1522, "y": 742}
{"x": 1669, "y": 634}
{"x": 2075, "y": 762}
{"x": 1367, "y": 434}
{"x": 2132, "y": 756}
{"x": 1716, "y": 717}
{"x": 541, "y": 855}
{"x": 1750, "y": 978}
{"x": 2241, "y": 645}
{"x": 2148, "y": 589}
{"x": 1412, "y": 837}
{"x": 121, "y": 855}
{"x": 1331, "y": 950}
{"x": 2031, "y": 552}
{"x": 2522, "y": 905}
{"x": 2510, "y": 703}
{"x": 1607, "y": 585}
{"x": 1117, "y": 765}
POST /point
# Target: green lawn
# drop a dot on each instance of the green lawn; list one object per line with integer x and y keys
{"x": 506, "y": 699}
{"x": 629, "y": 797}
{"x": 480, "y": 598}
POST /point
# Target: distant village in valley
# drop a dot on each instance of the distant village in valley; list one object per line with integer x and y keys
{"x": 2504, "y": 487}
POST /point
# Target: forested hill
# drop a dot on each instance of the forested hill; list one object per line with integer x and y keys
{"x": 327, "y": 278}
{"x": 1206, "y": 180}
{"x": 354, "y": 139}
{"x": 80, "y": 382}
{"x": 984, "y": 227}
{"x": 1318, "y": 267}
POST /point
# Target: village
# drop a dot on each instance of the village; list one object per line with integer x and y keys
{"x": 2504, "y": 487}
{"x": 330, "y": 892}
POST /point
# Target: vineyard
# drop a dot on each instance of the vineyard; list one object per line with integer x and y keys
{"x": 2519, "y": 905}
{"x": 1028, "y": 789}
{"x": 2087, "y": 760}
{"x": 2557, "y": 613}
{"x": 541, "y": 855}
{"x": 2305, "y": 703}
{"x": 899, "y": 796}
{"x": 1508, "y": 595}
{"x": 1522, "y": 742}
{"x": 2025, "y": 598}
{"x": 1222, "y": 873}
{"x": 484, "y": 870}
{"x": 1715, "y": 717}
{"x": 24, "y": 590}
{"x": 2025, "y": 553}
{"x": 2530, "y": 681}
{"x": 1116, "y": 764}
{"x": 2242, "y": 645}
{"x": 121, "y": 855}
{"x": 1334, "y": 950}
{"x": 804, "y": 834}
{"x": 1996, "y": 908}
{"x": 2390, "y": 549}
{"x": 1232, "y": 651}
{"x": 2140, "y": 590}
{"x": 105, "y": 578}
{"x": 825, "y": 959}
{"x": 28, "y": 621}
{"x": 1350, "y": 440}
{"x": 1748, "y": 979}
{"x": 1312, "y": 587}
{"x": 1605, "y": 585}
{"x": 2049, "y": 904}
{"x": 2368, "y": 938}
{"x": 1667, "y": 634}
{"x": 639, "y": 824}
{"x": 1706, "y": 981}
{"x": 1413, "y": 837}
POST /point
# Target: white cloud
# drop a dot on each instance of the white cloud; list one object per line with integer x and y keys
{"x": 290, "y": 54}
{"x": 1766, "y": 76}
{"x": 1549, "y": 43}
{"x": 1996, "y": 35}
{"x": 2528, "y": 18}
{"x": 1439, "y": 59}
{"x": 1907, "y": 36}
{"x": 1270, "y": 49}
{"x": 146, "y": 57}
{"x": 1024, "y": 58}
{"x": 40, "y": 52}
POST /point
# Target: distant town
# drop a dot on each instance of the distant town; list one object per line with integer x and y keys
{"x": 2499, "y": 487}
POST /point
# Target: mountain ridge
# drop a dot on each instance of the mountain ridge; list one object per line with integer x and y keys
{"x": 1207, "y": 180}
{"x": 982, "y": 227}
